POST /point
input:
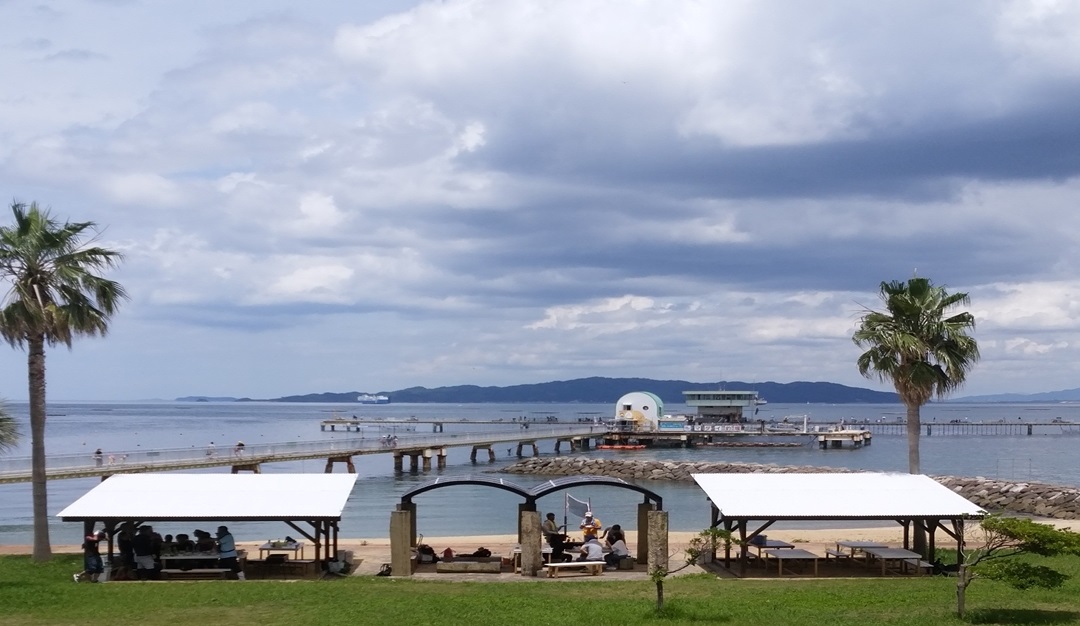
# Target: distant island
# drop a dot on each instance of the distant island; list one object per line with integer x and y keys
{"x": 594, "y": 390}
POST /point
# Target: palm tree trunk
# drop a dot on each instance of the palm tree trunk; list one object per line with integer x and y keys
{"x": 914, "y": 426}
{"x": 36, "y": 376}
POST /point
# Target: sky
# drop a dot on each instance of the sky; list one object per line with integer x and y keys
{"x": 339, "y": 196}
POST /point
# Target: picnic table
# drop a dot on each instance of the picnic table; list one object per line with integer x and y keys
{"x": 281, "y": 546}
{"x": 790, "y": 554}
{"x": 771, "y": 544}
{"x": 903, "y": 557}
{"x": 851, "y": 549}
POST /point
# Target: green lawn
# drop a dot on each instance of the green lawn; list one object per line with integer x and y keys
{"x": 45, "y": 594}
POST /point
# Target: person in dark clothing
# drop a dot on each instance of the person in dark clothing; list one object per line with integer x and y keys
{"x": 556, "y": 539}
{"x": 143, "y": 546}
{"x": 92, "y": 565}
{"x": 123, "y": 544}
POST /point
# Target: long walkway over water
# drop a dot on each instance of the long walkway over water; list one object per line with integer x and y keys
{"x": 416, "y": 447}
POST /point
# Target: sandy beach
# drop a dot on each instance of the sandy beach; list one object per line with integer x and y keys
{"x": 369, "y": 554}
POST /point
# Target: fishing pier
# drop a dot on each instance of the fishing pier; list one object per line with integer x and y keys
{"x": 420, "y": 450}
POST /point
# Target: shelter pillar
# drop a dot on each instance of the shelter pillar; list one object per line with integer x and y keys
{"x": 523, "y": 508}
{"x": 658, "y": 540}
{"x": 529, "y": 534}
{"x": 401, "y": 543}
{"x": 643, "y": 511}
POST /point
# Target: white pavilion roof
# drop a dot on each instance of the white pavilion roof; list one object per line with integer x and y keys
{"x": 863, "y": 495}
{"x": 215, "y": 497}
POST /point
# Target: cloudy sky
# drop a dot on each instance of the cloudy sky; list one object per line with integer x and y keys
{"x": 335, "y": 196}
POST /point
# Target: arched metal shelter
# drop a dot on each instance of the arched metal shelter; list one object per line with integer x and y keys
{"x": 403, "y": 520}
{"x": 532, "y": 494}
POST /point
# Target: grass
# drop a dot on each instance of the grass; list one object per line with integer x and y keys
{"x": 44, "y": 594}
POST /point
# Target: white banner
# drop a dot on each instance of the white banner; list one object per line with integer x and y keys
{"x": 576, "y": 507}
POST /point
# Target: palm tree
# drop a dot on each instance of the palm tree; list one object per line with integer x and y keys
{"x": 9, "y": 434}
{"x": 916, "y": 347}
{"x": 54, "y": 296}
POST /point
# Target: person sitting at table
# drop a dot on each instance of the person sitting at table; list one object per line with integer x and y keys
{"x": 556, "y": 538}
{"x": 613, "y": 534}
{"x": 618, "y": 552}
{"x": 590, "y": 526}
{"x": 184, "y": 543}
{"x": 591, "y": 550}
{"x": 203, "y": 541}
{"x": 168, "y": 546}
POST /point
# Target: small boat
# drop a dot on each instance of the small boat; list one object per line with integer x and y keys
{"x": 621, "y": 446}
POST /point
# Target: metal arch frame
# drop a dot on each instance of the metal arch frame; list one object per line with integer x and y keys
{"x": 531, "y": 495}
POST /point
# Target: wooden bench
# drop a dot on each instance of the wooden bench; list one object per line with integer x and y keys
{"x": 836, "y": 554}
{"x": 210, "y": 573}
{"x": 590, "y": 567}
{"x": 920, "y": 566}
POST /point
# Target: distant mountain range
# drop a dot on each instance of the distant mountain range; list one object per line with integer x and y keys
{"x": 597, "y": 390}
{"x": 1065, "y": 395}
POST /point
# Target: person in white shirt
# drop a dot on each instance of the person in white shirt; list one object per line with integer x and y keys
{"x": 618, "y": 552}
{"x": 591, "y": 550}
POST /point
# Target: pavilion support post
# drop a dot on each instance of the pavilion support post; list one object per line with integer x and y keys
{"x": 529, "y": 536}
{"x": 401, "y": 539}
{"x": 743, "y": 548}
{"x": 657, "y": 531}
{"x": 643, "y": 511}
{"x": 931, "y": 529}
{"x": 524, "y": 507}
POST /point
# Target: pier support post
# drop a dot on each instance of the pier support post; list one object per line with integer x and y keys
{"x": 529, "y": 537}
{"x": 490, "y": 451}
{"x": 644, "y": 510}
{"x": 401, "y": 542}
{"x": 585, "y": 443}
{"x": 347, "y": 460}
{"x": 398, "y": 461}
{"x": 1029, "y": 430}
{"x": 249, "y": 467}
{"x": 441, "y": 458}
{"x": 427, "y": 459}
{"x": 414, "y": 461}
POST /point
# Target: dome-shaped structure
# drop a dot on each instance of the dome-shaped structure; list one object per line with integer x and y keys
{"x": 638, "y": 411}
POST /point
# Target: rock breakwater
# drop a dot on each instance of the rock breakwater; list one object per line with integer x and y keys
{"x": 995, "y": 495}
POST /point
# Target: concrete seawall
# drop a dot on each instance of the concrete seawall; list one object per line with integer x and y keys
{"x": 994, "y": 495}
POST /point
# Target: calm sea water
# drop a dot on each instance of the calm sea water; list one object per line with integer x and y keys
{"x": 1048, "y": 456}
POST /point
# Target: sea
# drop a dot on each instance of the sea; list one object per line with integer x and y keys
{"x": 1047, "y": 456}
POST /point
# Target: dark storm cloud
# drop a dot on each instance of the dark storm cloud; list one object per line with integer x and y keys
{"x": 1038, "y": 142}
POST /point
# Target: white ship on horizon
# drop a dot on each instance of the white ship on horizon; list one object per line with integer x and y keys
{"x": 367, "y": 398}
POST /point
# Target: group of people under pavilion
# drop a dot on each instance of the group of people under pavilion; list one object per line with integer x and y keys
{"x": 592, "y": 532}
